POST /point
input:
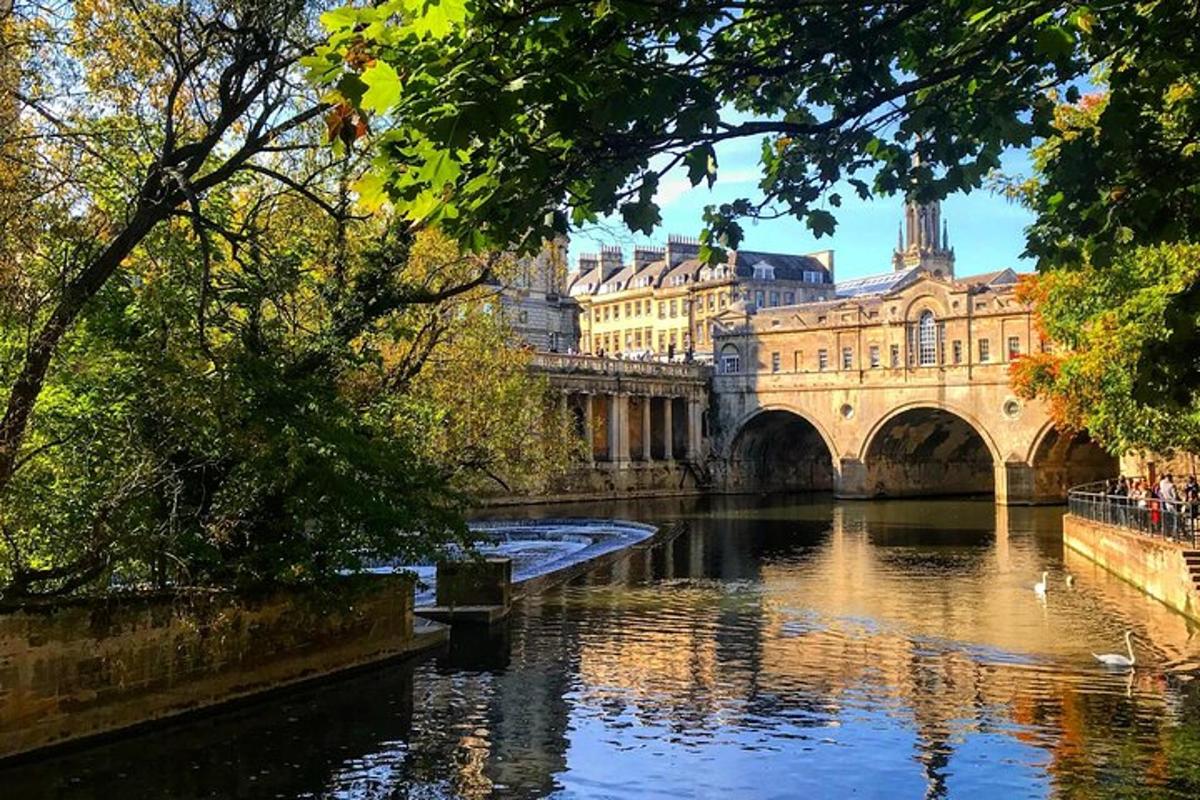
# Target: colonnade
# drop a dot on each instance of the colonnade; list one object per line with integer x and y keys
{"x": 628, "y": 427}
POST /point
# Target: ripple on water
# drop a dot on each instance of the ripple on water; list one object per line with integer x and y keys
{"x": 772, "y": 651}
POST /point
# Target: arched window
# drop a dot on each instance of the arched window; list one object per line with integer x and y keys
{"x": 927, "y": 340}
{"x": 731, "y": 362}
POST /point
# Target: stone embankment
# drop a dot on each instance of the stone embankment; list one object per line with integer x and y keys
{"x": 1159, "y": 567}
{"x": 76, "y": 669}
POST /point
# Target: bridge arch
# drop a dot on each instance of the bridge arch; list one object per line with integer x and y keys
{"x": 923, "y": 448}
{"x": 777, "y": 448}
{"x": 1062, "y": 459}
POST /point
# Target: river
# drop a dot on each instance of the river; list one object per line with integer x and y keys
{"x": 778, "y": 648}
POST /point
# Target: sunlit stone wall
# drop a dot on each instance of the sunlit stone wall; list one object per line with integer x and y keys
{"x": 75, "y": 669}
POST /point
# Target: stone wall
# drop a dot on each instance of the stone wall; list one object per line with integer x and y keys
{"x": 1155, "y": 566}
{"x": 76, "y": 669}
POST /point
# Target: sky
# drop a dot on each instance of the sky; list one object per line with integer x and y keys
{"x": 986, "y": 230}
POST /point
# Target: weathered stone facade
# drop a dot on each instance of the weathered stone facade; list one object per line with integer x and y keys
{"x": 899, "y": 392}
{"x": 665, "y": 300}
{"x": 78, "y": 668}
{"x": 536, "y": 304}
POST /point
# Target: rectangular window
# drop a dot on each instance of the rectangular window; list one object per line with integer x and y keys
{"x": 617, "y": 311}
{"x": 730, "y": 364}
{"x": 774, "y": 299}
{"x": 628, "y": 340}
{"x": 674, "y": 309}
{"x": 662, "y": 342}
{"x": 637, "y": 339}
{"x": 724, "y": 299}
{"x": 1014, "y": 347}
{"x": 797, "y": 359}
{"x": 662, "y": 309}
{"x": 984, "y": 351}
{"x": 598, "y": 344}
{"x": 648, "y": 306}
{"x": 873, "y": 353}
{"x": 596, "y": 315}
{"x": 672, "y": 337}
{"x": 712, "y": 302}
{"x": 775, "y": 362}
{"x": 847, "y": 358}
{"x": 822, "y": 359}
{"x": 895, "y": 356}
{"x": 957, "y": 347}
{"x": 789, "y": 298}
{"x": 628, "y": 310}
{"x": 606, "y": 313}
{"x": 759, "y": 298}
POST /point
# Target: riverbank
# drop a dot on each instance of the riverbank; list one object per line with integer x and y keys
{"x": 76, "y": 670}
{"x": 1158, "y": 567}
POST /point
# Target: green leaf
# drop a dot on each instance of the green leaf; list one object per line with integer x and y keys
{"x": 1054, "y": 41}
{"x": 383, "y": 87}
{"x": 436, "y": 18}
{"x": 701, "y": 164}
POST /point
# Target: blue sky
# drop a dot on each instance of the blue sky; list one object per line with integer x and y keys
{"x": 986, "y": 230}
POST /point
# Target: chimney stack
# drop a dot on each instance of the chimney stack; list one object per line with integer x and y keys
{"x": 681, "y": 248}
{"x": 645, "y": 256}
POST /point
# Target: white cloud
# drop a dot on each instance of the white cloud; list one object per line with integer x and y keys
{"x": 672, "y": 189}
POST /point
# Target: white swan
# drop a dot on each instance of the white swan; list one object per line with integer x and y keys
{"x": 1040, "y": 588}
{"x": 1070, "y": 580}
{"x": 1116, "y": 659}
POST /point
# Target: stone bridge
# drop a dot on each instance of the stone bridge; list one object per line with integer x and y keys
{"x": 890, "y": 432}
{"x": 902, "y": 432}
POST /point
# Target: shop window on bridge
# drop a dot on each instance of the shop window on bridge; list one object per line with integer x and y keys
{"x": 822, "y": 359}
{"x": 873, "y": 354}
{"x": 984, "y": 350}
{"x": 731, "y": 361}
{"x": 895, "y": 356}
{"x": 957, "y": 347}
{"x": 776, "y": 362}
{"x": 847, "y": 358}
{"x": 1014, "y": 347}
{"x": 927, "y": 335}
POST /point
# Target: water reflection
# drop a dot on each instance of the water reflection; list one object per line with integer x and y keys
{"x": 776, "y": 649}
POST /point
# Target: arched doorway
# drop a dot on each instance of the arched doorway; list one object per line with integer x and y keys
{"x": 1062, "y": 460}
{"x": 779, "y": 451}
{"x": 928, "y": 452}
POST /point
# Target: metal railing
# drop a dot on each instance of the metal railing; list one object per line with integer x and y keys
{"x": 1173, "y": 520}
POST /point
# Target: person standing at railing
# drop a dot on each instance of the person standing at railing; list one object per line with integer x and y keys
{"x": 1168, "y": 499}
{"x": 1119, "y": 494}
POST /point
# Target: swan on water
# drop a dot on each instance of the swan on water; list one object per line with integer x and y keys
{"x": 1116, "y": 659}
{"x": 1040, "y": 588}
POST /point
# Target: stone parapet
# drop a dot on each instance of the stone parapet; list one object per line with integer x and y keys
{"x": 75, "y": 669}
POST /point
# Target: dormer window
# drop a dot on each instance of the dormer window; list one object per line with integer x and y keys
{"x": 764, "y": 271}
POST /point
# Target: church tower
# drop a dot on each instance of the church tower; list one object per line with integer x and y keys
{"x": 924, "y": 240}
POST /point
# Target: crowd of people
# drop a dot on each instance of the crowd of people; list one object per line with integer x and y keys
{"x": 1163, "y": 505}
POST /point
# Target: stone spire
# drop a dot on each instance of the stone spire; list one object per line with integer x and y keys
{"x": 924, "y": 240}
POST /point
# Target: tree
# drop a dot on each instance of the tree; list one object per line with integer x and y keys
{"x": 507, "y": 110}
{"x": 219, "y": 370}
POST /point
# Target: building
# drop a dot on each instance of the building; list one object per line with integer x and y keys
{"x": 535, "y": 300}
{"x": 877, "y": 323}
{"x": 664, "y": 301}
{"x": 897, "y": 384}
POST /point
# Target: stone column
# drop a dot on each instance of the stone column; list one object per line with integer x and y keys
{"x": 668, "y": 431}
{"x": 693, "y": 430}
{"x": 646, "y": 428}
{"x": 618, "y": 428}
{"x": 587, "y": 428}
